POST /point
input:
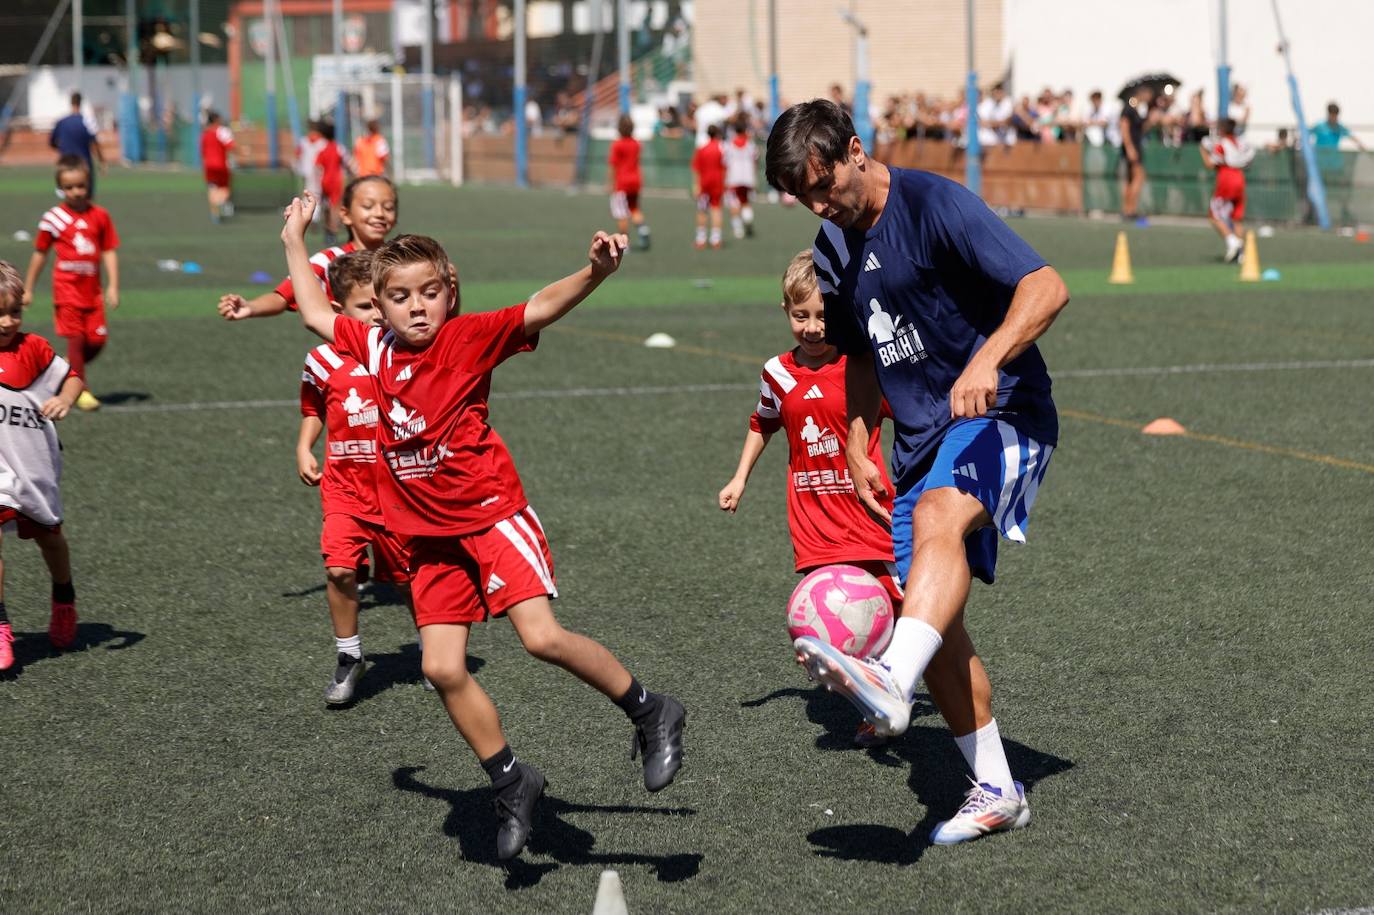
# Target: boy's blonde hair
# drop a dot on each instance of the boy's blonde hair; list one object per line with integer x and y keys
{"x": 348, "y": 272}
{"x": 410, "y": 249}
{"x": 799, "y": 280}
{"x": 11, "y": 285}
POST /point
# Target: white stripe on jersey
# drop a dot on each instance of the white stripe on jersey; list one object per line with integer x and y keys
{"x": 45, "y": 226}
{"x": 317, "y": 370}
{"x": 1011, "y": 472}
{"x": 529, "y": 510}
{"x": 327, "y": 352}
{"x": 769, "y": 406}
{"x": 836, "y": 236}
{"x": 374, "y": 351}
{"x": 323, "y": 258}
{"x": 773, "y": 368}
{"x": 60, "y": 216}
{"x": 531, "y": 555}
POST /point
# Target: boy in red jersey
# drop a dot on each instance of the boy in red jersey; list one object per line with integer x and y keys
{"x": 1228, "y": 155}
{"x": 369, "y": 211}
{"x": 741, "y": 173}
{"x": 85, "y": 238}
{"x": 329, "y": 164}
{"x": 625, "y": 182}
{"x": 337, "y": 395}
{"x": 708, "y": 172}
{"x": 215, "y": 142}
{"x": 803, "y": 393}
{"x": 478, "y": 550}
{"x": 37, "y": 387}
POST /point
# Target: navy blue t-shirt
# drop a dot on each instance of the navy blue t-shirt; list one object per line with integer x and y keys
{"x": 924, "y": 289}
{"x": 72, "y": 137}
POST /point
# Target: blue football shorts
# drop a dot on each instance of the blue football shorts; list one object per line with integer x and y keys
{"x": 991, "y": 460}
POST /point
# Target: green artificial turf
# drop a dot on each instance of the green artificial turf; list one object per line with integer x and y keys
{"x": 1179, "y": 655}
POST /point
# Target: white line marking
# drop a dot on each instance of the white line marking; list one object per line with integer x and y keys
{"x": 1216, "y": 367}
{"x": 652, "y": 390}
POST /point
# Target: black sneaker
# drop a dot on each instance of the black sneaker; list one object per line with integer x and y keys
{"x": 659, "y": 739}
{"x": 515, "y": 809}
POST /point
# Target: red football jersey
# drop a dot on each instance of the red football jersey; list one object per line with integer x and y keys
{"x": 329, "y": 161}
{"x": 215, "y": 143}
{"x": 79, "y": 237}
{"x": 339, "y": 391}
{"x": 709, "y": 164}
{"x": 624, "y": 163}
{"x": 447, "y": 472}
{"x": 828, "y": 523}
{"x": 320, "y": 264}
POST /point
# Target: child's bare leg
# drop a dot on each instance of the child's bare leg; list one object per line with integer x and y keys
{"x": 445, "y": 663}
{"x": 2, "y": 568}
{"x": 584, "y": 658}
{"x": 341, "y": 587}
{"x": 1222, "y": 229}
{"x": 57, "y": 556}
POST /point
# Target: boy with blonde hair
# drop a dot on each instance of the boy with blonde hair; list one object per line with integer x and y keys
{"x": 337, "y": 395}
{"x": 37, "y": 388}
{"x": 448, "y": 482}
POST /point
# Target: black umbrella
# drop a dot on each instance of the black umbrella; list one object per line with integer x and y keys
{"x": 1160, "y": 83}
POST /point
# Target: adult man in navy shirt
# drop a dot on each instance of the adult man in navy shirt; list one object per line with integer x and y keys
{"x": 73, "y": 136}
{"x": 937, "y": 305}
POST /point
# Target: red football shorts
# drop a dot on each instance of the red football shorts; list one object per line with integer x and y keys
{"x": 742, "y": 194}
{"x": 26, "y": 527}
{"x": 333, "y": 192}
{"x": 710, "y": 196}
{"x": 886, "y": 573}
{"x": 624, "y": 203}
{"x": 217, "y": 176}
{"x": 71, "y": 321}
{"x": 1229, "y": 207}
{"x": 470, "y": 577}
{"x": 344, "y": 540}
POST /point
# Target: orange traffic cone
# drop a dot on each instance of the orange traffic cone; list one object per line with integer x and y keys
{"x": 1250, "y": 265}
{"x": 1121, "y": 262}
{"x": 1164, "y": 426}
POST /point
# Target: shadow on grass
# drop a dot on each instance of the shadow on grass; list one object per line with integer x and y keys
{"x": 32, "y": 648}
{"x": 470, "y": 820}
{"x": 939, "y": 781}
{"x": 375, "y": 594}
{"x": 834, "y": 713}
{"x": 393, "y": 668}
{"x": 116, "y": 398}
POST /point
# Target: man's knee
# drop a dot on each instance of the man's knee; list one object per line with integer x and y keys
{"x": 947, "y": 513}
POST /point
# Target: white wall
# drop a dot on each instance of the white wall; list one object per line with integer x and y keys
{"x": 1087, "y": 44}
{"x": 49, "y": 89}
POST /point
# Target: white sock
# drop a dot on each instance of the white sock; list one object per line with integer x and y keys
{"x": 701, "y": 236}
{"x": 985, "y": 756}
{"x": 748, "y": 214}
{"x": 352, "y": 646}
{"x": 913, "y": 644}
{"x": 715, "y": 236}
{"x": 644, "y": 230}
{"x": 737, "y": 224}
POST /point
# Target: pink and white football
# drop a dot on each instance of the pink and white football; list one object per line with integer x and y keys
{"x": 844, "y": 606}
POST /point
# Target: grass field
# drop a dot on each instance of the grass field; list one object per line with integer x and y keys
{"x": 1181, "y": 655}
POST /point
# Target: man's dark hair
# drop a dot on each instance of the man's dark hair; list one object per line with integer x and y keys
{"x": 816, "y": 131}
{"x": 76, "y": 99}
{"x": 1333, "y": 108}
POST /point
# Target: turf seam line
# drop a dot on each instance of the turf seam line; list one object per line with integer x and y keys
{"x": 1206, "y": 367}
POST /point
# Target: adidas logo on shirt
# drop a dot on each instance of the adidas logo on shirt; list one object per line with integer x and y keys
{"x": 358, "y": 370}
{"x": 813, "y": 394}
{"x": 405, "y": 373}
{"x": 968, "y": 470}
{"x": 871, "y": 262}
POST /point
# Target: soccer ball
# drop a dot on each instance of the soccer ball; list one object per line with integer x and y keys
{"x": 844, "y": 606}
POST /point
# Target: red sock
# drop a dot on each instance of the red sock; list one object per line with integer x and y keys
{"x": 91, "y": 348}
{"x": 76, "y": 354}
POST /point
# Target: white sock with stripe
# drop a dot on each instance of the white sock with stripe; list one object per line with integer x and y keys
{"x": 913, "y": 644}
{"x": 987, "y": 758}
{"x": 351, "y": 646}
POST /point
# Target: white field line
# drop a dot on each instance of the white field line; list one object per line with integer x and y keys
{"x": 656, "y": 390}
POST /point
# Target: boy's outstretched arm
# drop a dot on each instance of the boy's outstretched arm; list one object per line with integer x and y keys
{"x": 234, "y": 307}
{"x": 754, "y": 443}
{"x": 558, "y": 298}
{"x": 310, "y": 298}
{"x": 36, "y": 263}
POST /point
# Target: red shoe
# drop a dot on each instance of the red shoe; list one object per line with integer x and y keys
{"x": 62, "y": 626}
{"x": 699, "y": 245}
{"x": 6, "y": 646}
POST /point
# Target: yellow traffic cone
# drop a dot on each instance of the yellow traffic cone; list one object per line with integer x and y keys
{"x": 1121, "y": 262}
{"x": 1249, "y": 265}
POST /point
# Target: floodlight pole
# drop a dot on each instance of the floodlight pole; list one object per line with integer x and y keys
{"x": 622, "y": 43}
{"x": 195, "y": 69}
{"x": 427, "y": 85}
{"x": 522, "y": 156}
{"x": 78, "y": 47}
{"x": 129, "y": 135}
{"x": 269, "y": 12}
{"x": 863, "y": 126}
{"x": 973, "y": 149}
{"x": 1316, "y": 189}
{"x": 293, "y": 111}
{"x": 1223, "y": 67}
{"x": 593, "y": 74}
{"x": 774, "y": 103}
{"x": 341, "y": 99}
